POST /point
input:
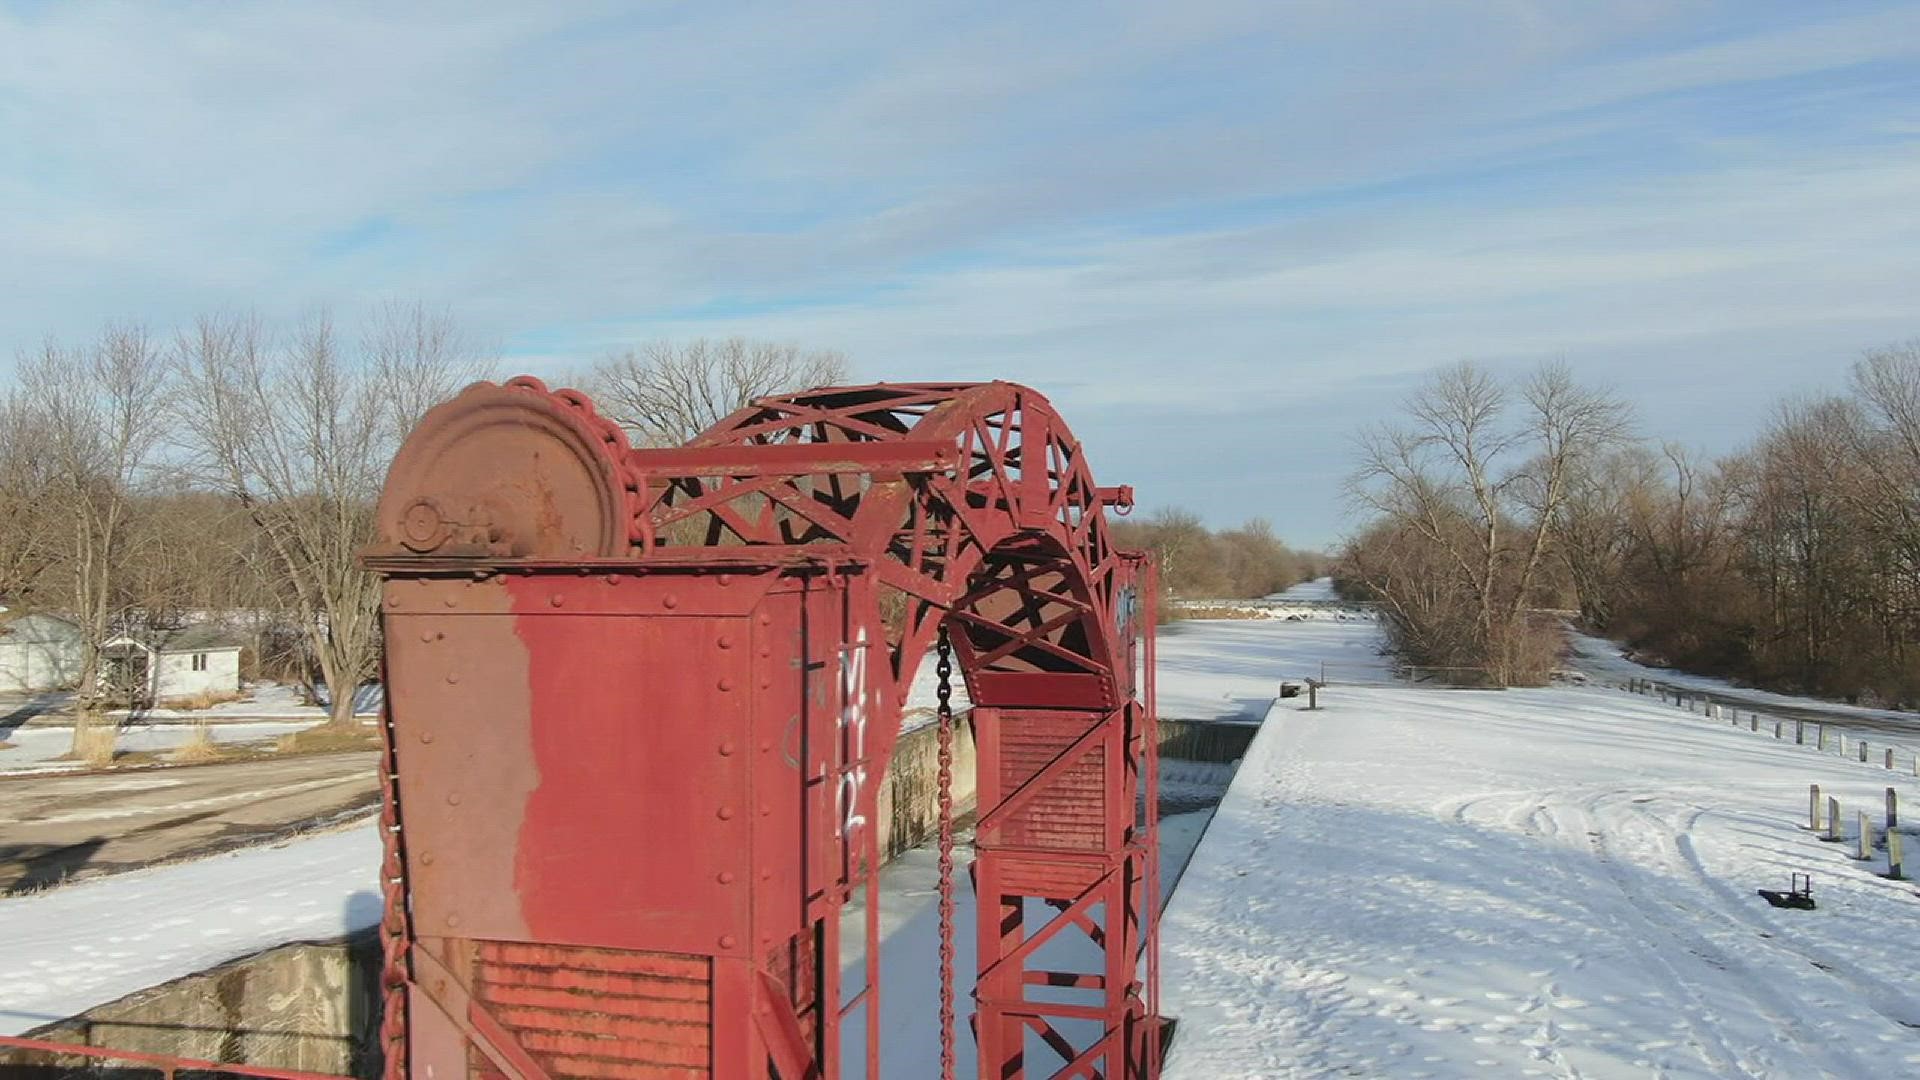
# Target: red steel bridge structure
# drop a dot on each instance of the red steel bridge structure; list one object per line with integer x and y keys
{"x": 640, "y": 702}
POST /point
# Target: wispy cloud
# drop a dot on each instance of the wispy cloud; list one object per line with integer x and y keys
{"x": 1220, "y": 233}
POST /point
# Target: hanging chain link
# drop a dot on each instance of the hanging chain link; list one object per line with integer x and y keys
{"x": 944, "y": 670}
{"x": 393, "y": 919}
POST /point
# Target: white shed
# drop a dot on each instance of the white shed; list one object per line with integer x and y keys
{"x": 38, "y": 652}
{"x": 174, "y": 664}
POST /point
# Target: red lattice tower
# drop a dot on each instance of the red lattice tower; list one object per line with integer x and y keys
{"x": 642, "y": 702}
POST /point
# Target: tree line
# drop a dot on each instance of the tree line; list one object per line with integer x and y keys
{"x": 1792, "y": 563}
{"x": 1199, "y": 563}
{"x": 229, "y": 470}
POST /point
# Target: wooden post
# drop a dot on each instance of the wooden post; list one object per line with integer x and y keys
{"x": 1863, "y": 751}
{"x": 1799, "y": 733}
{"x": 1889, "y": 757}
{"x": 1820, "y": 737}
{"x": 1893, "y": 810}
{"x": 1777, "y": 728}
{"x": 1894, "y": 869}
{"x": 1313, "y": 694}
{"x": 1753, "y": 722}
{"x": 1813, "y": 807}
{"x": 1863, "y": 850}
{"x": 1833, "y": 821}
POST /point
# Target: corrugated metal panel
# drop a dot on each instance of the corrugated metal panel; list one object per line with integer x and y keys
{"x": 599, "y": 1012}
{"x": 1070, "y": 812}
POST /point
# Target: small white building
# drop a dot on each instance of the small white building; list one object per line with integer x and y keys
{"x": 38, "y": 652}
{"x": 172, "y": 664}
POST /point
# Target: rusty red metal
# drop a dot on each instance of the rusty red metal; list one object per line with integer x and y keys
{"x": 640, "y": 703}
{"x": 642, "y": 699}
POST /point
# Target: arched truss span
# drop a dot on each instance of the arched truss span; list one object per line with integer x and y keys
{"x": 1010, "y": 537}
{"x": 816, "y": 528}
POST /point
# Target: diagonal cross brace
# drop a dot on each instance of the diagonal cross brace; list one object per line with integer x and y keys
{"x": 1069, "y": 916}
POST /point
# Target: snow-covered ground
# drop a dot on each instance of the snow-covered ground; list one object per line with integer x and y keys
{"x": 1319, "y": 590}
{"x": 1559, "y": 882}
{"x": 66, "y": 950}
{"x": 258, "y": 701}
{"x": 38, "y": 749}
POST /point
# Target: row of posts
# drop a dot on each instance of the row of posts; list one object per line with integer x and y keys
{"x": 1712, "y": 710}
{"x": 1828, "y": 826}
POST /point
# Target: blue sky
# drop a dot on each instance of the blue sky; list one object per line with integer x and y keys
{"x": 1221, "y": 236}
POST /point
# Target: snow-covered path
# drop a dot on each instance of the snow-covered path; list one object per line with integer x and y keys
{"x": 1417, "y": 883}
{"x": 1604, "y": 658}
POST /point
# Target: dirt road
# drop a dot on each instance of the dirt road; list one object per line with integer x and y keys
{"x": 55, "y": 828}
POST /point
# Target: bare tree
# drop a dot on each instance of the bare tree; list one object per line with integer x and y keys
{"x": 30, "y": 542}
{"x": 666, "y": 393}
{"x": 99, "y": 410}
{"x": 1592, "y": 533}
{"x": 299, "y": 430}
{"x": 1481, "y": 473}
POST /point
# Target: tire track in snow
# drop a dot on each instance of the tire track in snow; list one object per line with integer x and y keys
{"x": 1871, "y": 991}
{"x": 1662, "y": 913}
{"x": 1537, "y": 815}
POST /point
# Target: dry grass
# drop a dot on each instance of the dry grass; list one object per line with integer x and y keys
{"x": 206, "y": 699}
{"x": 95, "y": 745}
{"x": 197, "y": 749}
{"x": 326, "y": 740}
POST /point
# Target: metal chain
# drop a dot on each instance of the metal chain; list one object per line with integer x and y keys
{"x": 944, "y": 670}
{"x": 394, "y": 938}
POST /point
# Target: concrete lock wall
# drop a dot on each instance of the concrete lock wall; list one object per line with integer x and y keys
{"x": 909, "y": 799}
{"x": 312, "y": 1006}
